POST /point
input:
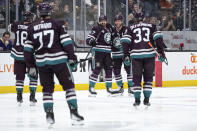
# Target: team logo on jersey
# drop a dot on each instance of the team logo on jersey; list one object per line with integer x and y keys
{"x": 107, "y": 37}
{"x": 116, "y": 42}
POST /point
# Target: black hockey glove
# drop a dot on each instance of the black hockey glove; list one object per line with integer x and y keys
{"x": 127, "y": 61}
{"x": 32, "y": 73}
{"x": 73, "y": 65}
{"x": 162, "y": 56}
{"x": 92, "y": 42}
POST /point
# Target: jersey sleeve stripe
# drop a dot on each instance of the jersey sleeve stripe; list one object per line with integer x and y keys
{"x": 90, "y": 36}
{"x": 64, "y": 36}
{"x": 28, "y": 48}
{"x": 66, "y": 41}
{"x": 28, "y": 42}
{"x": 125, "y": 40}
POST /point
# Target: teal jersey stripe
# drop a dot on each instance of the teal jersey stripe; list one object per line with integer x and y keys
{"x": 16, "y": 57}
{"x": 103, "y": 50}
{"x": 143, "y": 56}
{"x": 51, "y": 62}
{"x": 28, "y": 49}
{"x": 67, "y": 43}
{"x": 117, "y": 57}
{"x": 157, "y": 36}
{"x": 125, "y": 40}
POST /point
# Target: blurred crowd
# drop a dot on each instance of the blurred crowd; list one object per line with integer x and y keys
{"x": 166, "y": 14}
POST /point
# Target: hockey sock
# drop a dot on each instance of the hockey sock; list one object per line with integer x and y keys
{"x": 33, "y": 85}
{"x": 108, "y": 82}
{"x": 71, "y": 98}
{"x": 19, "y": 86}
{"x": 92, "y": 80}
{"x": 119, "y": 80}
{"x": 130, "y": 81}
{"x": 47, "y": 101}
{"x": 137, "y": 92}
{"x": 147, "y": 89}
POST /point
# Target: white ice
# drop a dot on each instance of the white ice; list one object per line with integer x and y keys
{"x": 172, "y": 109}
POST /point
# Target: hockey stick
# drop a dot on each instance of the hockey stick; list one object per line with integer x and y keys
{"x": 165, "y": 61}
{"x": 83, "y": 60}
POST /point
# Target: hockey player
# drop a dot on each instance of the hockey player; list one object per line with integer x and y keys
{"x": 143, "y": 56}
{"x": 100, "y": 40}
{"x": 20, "y": 31}
{"x": 117, "y": 55}
{"x": 54, "y": 54}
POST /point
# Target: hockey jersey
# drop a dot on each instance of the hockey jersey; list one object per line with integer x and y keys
{"x": 103, "y": 38}
{"x": 116, "y": 36}
{"x": 49, "y": 40}
{"x": 136, "y": 38}
{"x": 20, "y": 32}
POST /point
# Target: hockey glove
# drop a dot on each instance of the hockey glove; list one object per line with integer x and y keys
{"x": 161, "y": 57}
{"x": 32, "y": 73}
{"x": 73, "y": 65}
{"x": 127, "y": 61}
{"x": 92, "y": 42}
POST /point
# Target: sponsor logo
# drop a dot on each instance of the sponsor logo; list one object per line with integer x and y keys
{"x": 6, "y": 68}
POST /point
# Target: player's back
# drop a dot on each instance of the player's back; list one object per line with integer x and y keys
{"x": 45, "y": 38}
{"x": 141, "y": 34}
{"x": 20, "y": 31}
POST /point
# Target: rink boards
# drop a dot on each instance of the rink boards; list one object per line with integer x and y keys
{"x": 181, "y": 71}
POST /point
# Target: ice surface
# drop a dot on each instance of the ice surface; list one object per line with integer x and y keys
{"x": 172, "y": 109}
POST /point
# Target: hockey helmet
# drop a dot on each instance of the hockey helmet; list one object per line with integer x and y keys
{"x": 44, "y": 9}
{"x": 28, "y": 16}
{"x": 102, "y": 17}
{"x": 118, "y": 17}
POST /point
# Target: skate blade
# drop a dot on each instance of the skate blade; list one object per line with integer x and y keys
{"x": 32, "y": 103}
{"x": 77, "y": 123}
{"x": 50, "y": 121}
{"x": 19, "y": 104}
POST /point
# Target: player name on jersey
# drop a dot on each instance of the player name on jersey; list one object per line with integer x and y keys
{"x": 23, "y": 27}
{"x": 42, "y": 26}
{"x": 140, "y": 24}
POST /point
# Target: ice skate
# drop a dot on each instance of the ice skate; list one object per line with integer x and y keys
{"x": 136, "y": 104}
{"x": 32, "y": 99}
{"x": 92, "y": 92}
{"x": 130, "y": 91}
{"x": 112, "y": 92}
{"x": 50, "y": 116}
{"x": 19, "y": 98}
{"x": 75, "y": 117}
{"x": 121, "y": 90}
{"x": 146, "y": 102}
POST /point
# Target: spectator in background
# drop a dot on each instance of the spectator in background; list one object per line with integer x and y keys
{"x": 131, "y": 3}
{"x": 151, "y": 8}
{"x": 167, "y": 24}
{"x": 5, "y": 42}
{"x": 131, "y": 19}
{"x": 178, "y": 20}
{"x": 68, "y": 16}
{"x": 21, "y": 8}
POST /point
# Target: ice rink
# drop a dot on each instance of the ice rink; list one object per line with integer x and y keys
{"x": 172, "y": 109}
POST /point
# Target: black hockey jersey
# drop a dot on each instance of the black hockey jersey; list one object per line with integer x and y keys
{"x": 116, "y": 36}
{"x": 103, "y": 38}
{"x": 49, "y": 40}
{"x": 20, "y": 32}
{"x": 136, "y": 40}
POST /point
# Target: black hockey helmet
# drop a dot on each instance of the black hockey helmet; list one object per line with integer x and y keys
{"x": 44, "y": 9}
{"x": 102, "y": 17}
{"x": 118, "y": 17}
{"x": 139, "y": 17}
{"x": 28, "y": 16}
